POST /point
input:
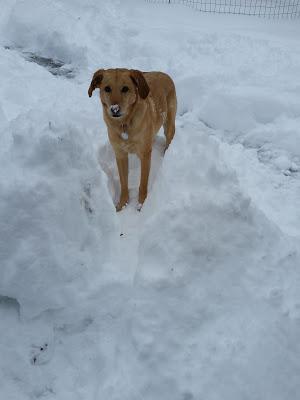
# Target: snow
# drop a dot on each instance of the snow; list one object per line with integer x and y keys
{"x": 196, "y": 296}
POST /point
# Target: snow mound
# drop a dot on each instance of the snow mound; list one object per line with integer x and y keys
{"x": 202, "y": 218}
{"x": 30, "y": 31}
{"x": 214, "y": 284}
{"x": 196, "y": 296}
{"x": 57, "y": 217}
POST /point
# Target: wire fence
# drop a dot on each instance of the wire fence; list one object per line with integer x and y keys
{"x": 261, "y": 8}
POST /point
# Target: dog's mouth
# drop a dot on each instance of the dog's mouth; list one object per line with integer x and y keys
{"x": 116, "y": 115}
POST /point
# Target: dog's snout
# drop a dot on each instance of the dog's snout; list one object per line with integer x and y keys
{"x": 115, "y": 108}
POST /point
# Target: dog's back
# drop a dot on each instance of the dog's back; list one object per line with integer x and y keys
{"x": 159, "y": 83}
{"x": 163, "y": 93}
{"x": 162, "y": 88}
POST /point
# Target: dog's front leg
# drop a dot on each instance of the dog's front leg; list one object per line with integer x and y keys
{"x": 145, "y": 169}
{"x": 122, "y": 163}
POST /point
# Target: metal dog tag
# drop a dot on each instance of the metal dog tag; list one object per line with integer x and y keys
{"x": 124, "y": 135}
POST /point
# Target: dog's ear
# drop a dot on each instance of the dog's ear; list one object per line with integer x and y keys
{"x": 140, "y": 82}
{"x": 96, "y": 81}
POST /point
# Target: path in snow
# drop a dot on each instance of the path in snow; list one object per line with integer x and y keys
{"x": 130, "y": 220}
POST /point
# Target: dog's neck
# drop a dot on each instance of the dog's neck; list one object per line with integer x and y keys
{"x": 129, "y": 121}
{"x": 124, "y": 127}
{"x": 125, "y": 124}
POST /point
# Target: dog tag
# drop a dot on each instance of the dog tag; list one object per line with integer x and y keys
{"x": 124, "y": 135}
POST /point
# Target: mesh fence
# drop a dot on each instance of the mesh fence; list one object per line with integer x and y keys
{"x": 261, "y": 8}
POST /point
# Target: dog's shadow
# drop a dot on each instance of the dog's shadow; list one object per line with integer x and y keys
{"x": 107, "y": 161}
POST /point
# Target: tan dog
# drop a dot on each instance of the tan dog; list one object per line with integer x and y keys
{"x": 135, "y": 106}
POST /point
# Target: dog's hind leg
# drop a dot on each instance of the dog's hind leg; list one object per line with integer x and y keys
{"x": 169, "y": 124}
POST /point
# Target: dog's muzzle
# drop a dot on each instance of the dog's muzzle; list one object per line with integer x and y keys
{"x": 115, "y": 110}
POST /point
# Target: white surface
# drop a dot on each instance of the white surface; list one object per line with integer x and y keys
{"x": 195, "y": 297}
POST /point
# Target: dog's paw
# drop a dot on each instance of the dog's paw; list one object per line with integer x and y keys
{"x": 121, "y": 205}
{"x": 139, "y": 206}
{"x": 123, "y": 202}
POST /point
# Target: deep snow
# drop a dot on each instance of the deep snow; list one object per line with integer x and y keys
{"x": 197, "y": 296}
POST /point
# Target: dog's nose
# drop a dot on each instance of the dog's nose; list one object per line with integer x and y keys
{"x": 115, "y": 108}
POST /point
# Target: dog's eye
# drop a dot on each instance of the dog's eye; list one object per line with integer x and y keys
{"x": 125, "y": 89}
{"x": 107, "y": 89}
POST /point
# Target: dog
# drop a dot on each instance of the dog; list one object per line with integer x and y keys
{"x": 135, "y": 106}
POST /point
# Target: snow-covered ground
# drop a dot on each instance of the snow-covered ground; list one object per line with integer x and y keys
{"x": 196, "y": 297}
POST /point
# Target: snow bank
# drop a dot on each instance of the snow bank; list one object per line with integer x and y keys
{"x": 57, "y": 217}
{"x": 225, "y": 275}
{"x": 204, "y": 223}
{"x": 49, "y": 36}
{"x": 202, "y": 213}
{"x": 80, "y": 35}
{"x": 195, "y": 297}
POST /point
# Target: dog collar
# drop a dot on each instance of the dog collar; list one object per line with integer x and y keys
{"x": 124, "y": 134}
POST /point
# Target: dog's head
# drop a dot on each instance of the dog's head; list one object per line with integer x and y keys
{"x": 119, "y": 90}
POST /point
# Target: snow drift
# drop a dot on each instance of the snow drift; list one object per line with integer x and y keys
{"x": 195, "y": 297}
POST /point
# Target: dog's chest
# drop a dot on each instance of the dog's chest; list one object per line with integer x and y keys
{"x": 128, "y": 145}
{"x": 126, "y": 141}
